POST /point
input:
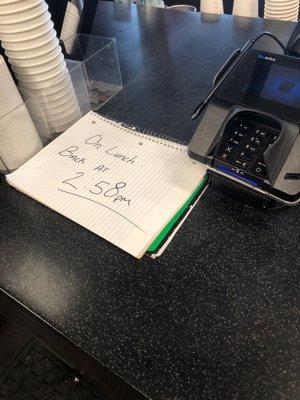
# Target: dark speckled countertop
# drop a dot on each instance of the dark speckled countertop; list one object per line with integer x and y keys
{"x": 215, "y": 317}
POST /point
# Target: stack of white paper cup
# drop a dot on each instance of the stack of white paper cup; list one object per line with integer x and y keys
{"x": 2, "y": 165}
{"x": 286, "y": 10}
{"x": 33, "y": 50}
{"x": 19, "y": 140}
{"x": 245, "y": 8}
{"x": 70, "y": 26}
{"x": 212, "y": 6}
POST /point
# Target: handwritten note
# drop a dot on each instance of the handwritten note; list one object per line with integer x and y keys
{"x": 121, "y": 185}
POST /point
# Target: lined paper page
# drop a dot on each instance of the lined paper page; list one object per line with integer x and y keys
{"x": 123, "y": 186}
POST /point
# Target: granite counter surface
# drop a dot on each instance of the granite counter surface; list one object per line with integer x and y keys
{"x": 215, "y": 317}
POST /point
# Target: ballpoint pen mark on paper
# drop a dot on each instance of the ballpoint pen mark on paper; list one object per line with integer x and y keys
{"x": 100, "y": 204}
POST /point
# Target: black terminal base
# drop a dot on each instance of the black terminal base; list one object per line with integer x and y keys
{"x": 241, "y": 193}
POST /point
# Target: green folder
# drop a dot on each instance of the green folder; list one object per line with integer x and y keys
{"x": 180, "y": 213}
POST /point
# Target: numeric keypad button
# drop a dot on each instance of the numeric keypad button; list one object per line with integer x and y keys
{"x": 240, "y": 134}
{"x": 255, "y": 140}
{"x": 262, "y": 133}
{"x": 251, "y": 147}
{"x": 234, "y": 141}
{"x": 273, "y": 138}
{"x": 244, "y": 155}
{"x": 229, "y": 148}
{"x": 225, "y": 155}
{"x": 260, "y": 170}
{"x": 241, "y": 164}
{"x": 244, "y": 126}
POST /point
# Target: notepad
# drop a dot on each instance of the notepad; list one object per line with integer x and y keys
{"x": 123, "y": 185}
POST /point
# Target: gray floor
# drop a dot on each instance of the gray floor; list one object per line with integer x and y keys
{"x": 28, "y": 371}
{"x": 12, "y": 341}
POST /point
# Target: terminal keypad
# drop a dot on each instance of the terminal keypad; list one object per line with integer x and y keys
{"x": 243, "y": 145}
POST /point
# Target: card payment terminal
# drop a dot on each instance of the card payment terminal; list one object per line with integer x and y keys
{"x": 249, "y": 133}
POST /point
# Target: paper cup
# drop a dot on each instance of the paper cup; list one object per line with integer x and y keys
{"x": 61, "y": 83}
{"x": 53, "y": 104}
{"x": 7, "y": 2}
{"x": 37, "y": 60}
{"x": 63, "y": 125}
{"x": 62, "y": 110}
{"x": 245, "y": 8}
{"x": 23, "y": 36}
{"x": 33, "y": 75}
{"x": 281, "y": 5}
{"x": 55, "y": 126}
{"x": 36, "y": 111}
{"x": 56, "y": 99}
{"x": 70, "y": 25}
{"x": 50, "y": 75}
{"x": 38, "y": 117}
{"x": 283, "y": 15}
{"x": 278, "y": 11}
{"x": 2, "y": 166}
{"x": 18, "y": 6}
{"x": 212, "y": 6}
{"x": 283, "y": 12}
{"x": 30, "y": 44}
{"x": 39, "y": 68}
{"x": 28, "y": 25}
{"x": 10, "y": 97}
{"x": 42, "y": 84}
{"x": 29, "y": 93}
{"x": 291, "y": 18}
{"x": 19, "y": 140}
{"x": 29, "y": 54}
{"x": 66, "y": 115}
{"x": 20, "y": 17}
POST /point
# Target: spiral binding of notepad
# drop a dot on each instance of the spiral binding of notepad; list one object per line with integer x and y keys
{"x": 149, "y": 135}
